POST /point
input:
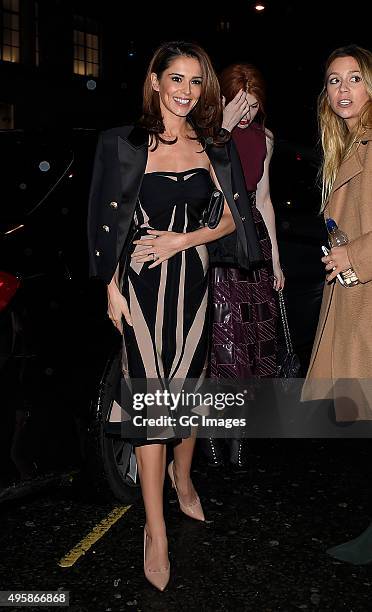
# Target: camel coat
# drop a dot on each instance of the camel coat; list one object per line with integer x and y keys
{"x": 341, "y": 361}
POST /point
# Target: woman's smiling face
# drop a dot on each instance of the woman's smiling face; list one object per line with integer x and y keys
{"x": 179, "y": 86}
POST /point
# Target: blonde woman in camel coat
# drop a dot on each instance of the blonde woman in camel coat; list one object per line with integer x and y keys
{"x": 341, "y": 361}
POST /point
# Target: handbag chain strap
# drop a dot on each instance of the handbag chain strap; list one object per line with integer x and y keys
{"x": 283, "y": 314}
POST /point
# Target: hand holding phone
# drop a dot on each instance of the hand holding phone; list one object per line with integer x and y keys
{"x": 326, "y": 252}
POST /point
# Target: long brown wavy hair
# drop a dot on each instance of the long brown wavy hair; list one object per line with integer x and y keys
{"x": 336, "y": 139}
{"x": 249, "y": 78}
{"x": 206, "y": 116}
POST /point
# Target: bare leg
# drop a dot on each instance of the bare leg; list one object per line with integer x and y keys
{"x": 182, "y": 465}
{"x": 151, "y": 469}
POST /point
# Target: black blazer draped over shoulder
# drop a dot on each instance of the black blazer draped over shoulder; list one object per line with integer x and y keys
{"x": 119, "y": 166}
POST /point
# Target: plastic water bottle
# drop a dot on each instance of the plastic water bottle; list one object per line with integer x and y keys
{"x": 337, "y": 238}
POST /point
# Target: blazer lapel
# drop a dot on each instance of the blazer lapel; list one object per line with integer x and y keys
{"x": 132, "y": 154}
{"x": 350, "y": 168}
{"x": 227, "y": 166}
{"x": 221, "y": 163}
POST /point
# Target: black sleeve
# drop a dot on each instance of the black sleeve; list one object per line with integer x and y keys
{"x": 243, "y": 204}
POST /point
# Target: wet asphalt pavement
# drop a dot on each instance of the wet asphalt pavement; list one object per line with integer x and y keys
{"x": 261, "y": 550}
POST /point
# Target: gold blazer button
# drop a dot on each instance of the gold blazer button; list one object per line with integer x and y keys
{"x": 236, "y": 195}
{"x": 106, "y": 228}
{"x": 113, "y": 204}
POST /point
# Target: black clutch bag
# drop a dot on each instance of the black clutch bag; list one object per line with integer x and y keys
{"x": 213, "y": 213}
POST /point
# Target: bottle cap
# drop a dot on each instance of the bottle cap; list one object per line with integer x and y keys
{"x": 331, "y": 224}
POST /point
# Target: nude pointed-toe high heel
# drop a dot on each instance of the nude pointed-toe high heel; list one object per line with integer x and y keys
{"x": 158, "y": 578}
{"x": 194, "y": 510}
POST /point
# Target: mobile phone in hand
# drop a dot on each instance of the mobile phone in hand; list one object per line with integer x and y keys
{"x": 326, "y": 252}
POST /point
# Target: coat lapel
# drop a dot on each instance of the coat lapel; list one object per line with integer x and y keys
{"x": 132, "y": 154}
{"x": 353, "y": 165}
{"x": 221, "y": 163}
{"x": 350, "y": 168}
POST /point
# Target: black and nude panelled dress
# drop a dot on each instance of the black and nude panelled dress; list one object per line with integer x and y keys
{"x": 168, "y": 304}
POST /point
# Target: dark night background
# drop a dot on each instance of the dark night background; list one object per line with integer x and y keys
{"x": 56, "y": 116}
{"x": 289, "y": 41}
{"x": 51, "y": 111}
{"x": 263, "y": 549}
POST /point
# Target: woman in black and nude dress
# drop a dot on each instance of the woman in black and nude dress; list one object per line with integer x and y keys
{"x": 151, "y": 184}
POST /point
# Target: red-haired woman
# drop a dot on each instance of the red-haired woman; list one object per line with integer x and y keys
{"x": 245, "y": 312}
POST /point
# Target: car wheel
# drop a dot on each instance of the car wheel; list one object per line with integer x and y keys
{"x": 109, "y": 459}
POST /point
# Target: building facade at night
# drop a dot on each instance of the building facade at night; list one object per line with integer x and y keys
{"x": 75, "y": 63}
{"x": 61, "y": 64}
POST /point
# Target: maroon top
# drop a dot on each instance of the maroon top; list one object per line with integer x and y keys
{"x": 251, "y": 145}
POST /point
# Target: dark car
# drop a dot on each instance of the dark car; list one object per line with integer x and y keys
{"x": 59, "y": 351}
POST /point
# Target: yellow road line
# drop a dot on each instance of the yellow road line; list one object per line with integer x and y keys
{"x": 93, "y": 536}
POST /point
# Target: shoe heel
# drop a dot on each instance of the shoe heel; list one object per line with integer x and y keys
{"x": 158, "y": 578}
{"x": 193, "y": 510}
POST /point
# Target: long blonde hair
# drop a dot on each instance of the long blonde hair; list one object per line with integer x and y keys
{"x": 337, "y": 141}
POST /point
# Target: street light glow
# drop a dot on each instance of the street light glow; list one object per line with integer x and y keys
{"x": 44, "y": 166}
{"x": 259, "y": 7}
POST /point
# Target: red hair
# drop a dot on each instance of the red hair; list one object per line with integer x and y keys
{"x": 246, "y": 77}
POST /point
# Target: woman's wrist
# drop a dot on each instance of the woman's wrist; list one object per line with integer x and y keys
{"x": 227, "y": 127}
{"x": 275, "y": 256}
{"x": 112, "y": 287}
{"x": 184, "y": 241}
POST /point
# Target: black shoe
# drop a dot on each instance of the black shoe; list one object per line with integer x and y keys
{"x": 239, "y": 454}
{"x": 212, "y": 449}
